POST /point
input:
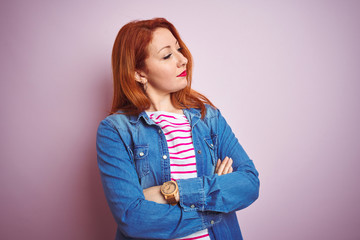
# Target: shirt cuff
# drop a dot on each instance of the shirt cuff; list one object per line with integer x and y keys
{"x": 192, "y": 194}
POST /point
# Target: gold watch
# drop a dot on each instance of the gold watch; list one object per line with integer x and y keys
{"x": 169, "y": 190}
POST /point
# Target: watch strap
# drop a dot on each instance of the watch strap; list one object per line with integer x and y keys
{"x": 171, "y": 199}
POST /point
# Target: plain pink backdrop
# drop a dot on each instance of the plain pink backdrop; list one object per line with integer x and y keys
{"x": 284, "y": 73}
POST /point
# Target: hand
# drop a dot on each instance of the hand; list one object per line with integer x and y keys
{"x": 224, "y": 167}
{"x": 154, "y": 194}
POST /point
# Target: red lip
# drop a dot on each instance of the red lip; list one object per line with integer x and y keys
{"x": 183, "y": 74}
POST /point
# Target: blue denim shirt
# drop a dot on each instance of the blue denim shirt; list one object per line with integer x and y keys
{"x": 208, "y": 201}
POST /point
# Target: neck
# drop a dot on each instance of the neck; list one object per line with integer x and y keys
{"x": 162, "y": 103}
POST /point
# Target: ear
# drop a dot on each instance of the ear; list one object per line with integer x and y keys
{"x": 140, "y": 77}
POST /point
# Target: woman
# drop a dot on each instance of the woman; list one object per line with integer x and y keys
{"x": 169, "y": 163}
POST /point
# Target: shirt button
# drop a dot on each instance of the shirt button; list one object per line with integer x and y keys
{"x": 212, "y": 222}
{"x": 192, "y": 206}
{"x": 141, "y": 154}
{"x": 159, "y": 131}
{"x": 211, "y": 145}
{"x": 164, "y": 157}
{"x": 199, "y": 151}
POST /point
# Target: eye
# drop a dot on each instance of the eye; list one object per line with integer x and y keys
{"x": 166, "y": 57}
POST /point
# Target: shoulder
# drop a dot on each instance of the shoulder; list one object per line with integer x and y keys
{"x": 214, "y": 117}
{"x": 211, "y": 112}
{"x": 116, "y": 120}
{"x": 116, "y": 127}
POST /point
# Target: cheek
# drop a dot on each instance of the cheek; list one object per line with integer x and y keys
{"x": 163, "y": 73}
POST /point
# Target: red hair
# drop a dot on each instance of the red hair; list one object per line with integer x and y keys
{"x": 129, "y": 54}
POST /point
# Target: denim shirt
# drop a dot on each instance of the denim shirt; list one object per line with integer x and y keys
{"x": 133, "y": 155}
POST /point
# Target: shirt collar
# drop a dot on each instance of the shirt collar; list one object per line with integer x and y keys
{"x": 192, "y": 114}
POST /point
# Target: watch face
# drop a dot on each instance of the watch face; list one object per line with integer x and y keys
{"x": 168, "y": 187}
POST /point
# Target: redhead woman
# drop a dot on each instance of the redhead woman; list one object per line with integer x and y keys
{"x": 170, "y": 165}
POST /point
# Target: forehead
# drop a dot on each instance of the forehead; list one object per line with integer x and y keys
{"x": 161, "y": 37}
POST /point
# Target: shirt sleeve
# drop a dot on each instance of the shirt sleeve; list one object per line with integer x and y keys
{"x": 135, "y": 216}
{"x": 225, "y": 193}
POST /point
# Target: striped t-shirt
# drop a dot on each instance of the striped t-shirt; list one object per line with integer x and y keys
{"x": 177, "y": 131}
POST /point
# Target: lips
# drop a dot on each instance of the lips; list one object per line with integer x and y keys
{"x": 183, "y": 74}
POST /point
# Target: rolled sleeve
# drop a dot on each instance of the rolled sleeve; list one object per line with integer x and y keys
{"x": 192, "y": 194}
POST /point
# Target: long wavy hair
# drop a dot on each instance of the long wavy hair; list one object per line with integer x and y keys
{"x": 128, "y": 55}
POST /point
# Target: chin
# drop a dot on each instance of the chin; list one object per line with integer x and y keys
{"x": 184, "y": 84}
{"x": 182, "y": 87}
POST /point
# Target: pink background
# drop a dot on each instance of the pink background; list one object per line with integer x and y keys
{"x": 284, "y": 73}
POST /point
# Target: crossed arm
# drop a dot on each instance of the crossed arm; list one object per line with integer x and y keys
{"x": 211, "y": 195}
{"x": 154, "y": 194}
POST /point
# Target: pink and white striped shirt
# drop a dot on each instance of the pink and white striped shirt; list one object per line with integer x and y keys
{"x": 177, "y": 130}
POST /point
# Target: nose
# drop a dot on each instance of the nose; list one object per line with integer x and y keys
{"x": 182, "y": 60}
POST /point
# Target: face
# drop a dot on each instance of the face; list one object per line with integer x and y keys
{"x": 165, "y": 64}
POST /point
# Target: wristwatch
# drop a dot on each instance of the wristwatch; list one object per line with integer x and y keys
{"x": 169, "y": 190}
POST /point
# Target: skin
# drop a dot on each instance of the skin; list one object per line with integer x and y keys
{"x": 224, "y": 167}
{"x": 164, "y": 64}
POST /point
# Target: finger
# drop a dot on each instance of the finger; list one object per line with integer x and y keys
{"x": 230, "y": 170}
{"x": 217, "y": 165}
{"x": 227, "y": 166}
{"x": 222, "y": 166}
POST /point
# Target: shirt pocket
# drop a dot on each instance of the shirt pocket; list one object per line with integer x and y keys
{"x": 141, "y": 153}
{"x": 211, "y": 144}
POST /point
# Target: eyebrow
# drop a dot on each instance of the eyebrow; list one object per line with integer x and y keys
{"x": 168, "y": 46}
